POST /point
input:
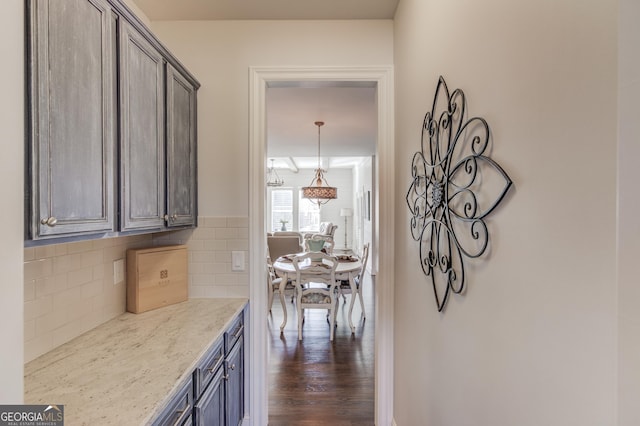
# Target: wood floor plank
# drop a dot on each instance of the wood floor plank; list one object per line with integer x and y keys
{"x": 316, "y": 382}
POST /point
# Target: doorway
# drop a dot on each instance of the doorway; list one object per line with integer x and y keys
{"x": 260, "y": 78}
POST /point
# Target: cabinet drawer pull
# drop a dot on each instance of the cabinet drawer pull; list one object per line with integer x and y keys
{"x": 49, "y": 221}
{"x": 237, "y": 333}
{"x": 181, "y": 413}
{"x": 213, "y": 365}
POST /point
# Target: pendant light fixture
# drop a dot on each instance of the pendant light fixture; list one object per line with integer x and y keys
{"x": 273, "y": 179}
{"x": 319, "y": 191}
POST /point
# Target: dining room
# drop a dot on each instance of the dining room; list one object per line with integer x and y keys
{"x": 321, "y": 137}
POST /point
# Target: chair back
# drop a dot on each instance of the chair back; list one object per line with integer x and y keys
{"x": 286, "y": 244}
{"x": 365, "y": 258}
{"x": 315, "y": 267}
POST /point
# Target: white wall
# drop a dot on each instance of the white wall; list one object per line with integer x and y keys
{"x": 11, "y": 194}
{"x": 363, "y": 182}
{"x": 219, "y": 53}
{"x": 628, "y": 213}
{"x": 533, "y": 340}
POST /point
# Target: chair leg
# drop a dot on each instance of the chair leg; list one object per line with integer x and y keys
{"x": 361, "y": 301}
{"x": 270, "y": 301}
{"x": 300, "y": 315}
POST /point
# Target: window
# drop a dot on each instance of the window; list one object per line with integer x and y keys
{"x": 298, "y": 213}
{"x": 308, "y": 214}
{"x": 282, "y": 209}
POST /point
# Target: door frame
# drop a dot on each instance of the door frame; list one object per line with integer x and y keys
{"x": 259, "y": 80}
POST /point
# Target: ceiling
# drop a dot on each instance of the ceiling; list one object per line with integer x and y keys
{"x": 349, "y": 113}
{"x": 348, "y": 109}
{"x": 169, "y": 10}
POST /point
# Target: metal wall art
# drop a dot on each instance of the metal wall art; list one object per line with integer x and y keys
{"x": 455, "y": 186}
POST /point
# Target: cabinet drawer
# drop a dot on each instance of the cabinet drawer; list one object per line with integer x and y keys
{"x": 206, "y": 370}
{"x": 234, "y": 332}
{"x": 178, "y": 410}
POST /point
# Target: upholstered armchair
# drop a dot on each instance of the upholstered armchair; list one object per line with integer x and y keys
{"x": 281, "y": 245}
{"x": 326, "y": 232}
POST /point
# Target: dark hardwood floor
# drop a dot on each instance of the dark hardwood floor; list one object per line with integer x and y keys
{"x": 318, "y": 382}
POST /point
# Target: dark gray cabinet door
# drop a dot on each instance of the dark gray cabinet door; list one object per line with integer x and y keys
{"x": 234, "y": 366}
{"x": 181, "y": 150}
{"x": 142, "y": 161}
{"x": 72, "y": 118}
{"x": 209, "y": 410}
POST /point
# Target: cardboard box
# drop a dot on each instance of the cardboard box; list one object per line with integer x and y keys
{"x": 156, "y": 277}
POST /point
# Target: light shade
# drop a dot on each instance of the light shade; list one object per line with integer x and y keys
{"x": 319, "y": 191}
{"x": 346, "y": 212}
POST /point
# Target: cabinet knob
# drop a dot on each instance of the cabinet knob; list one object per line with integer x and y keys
{"x": 174, "y": 217}
{"x": 49, "y": 221}
{"x": 232, "y": 367}
{"x": 166, "y": 218}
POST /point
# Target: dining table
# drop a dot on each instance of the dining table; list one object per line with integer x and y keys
{"x": 349, "y": 266}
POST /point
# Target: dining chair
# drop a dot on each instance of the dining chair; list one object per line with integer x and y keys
{"x": 316, "y": 286}
{"x": 273, "y": 286}
{"x": 345, "y": 288}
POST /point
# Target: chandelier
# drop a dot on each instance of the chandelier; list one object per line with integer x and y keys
{"x": 319, "y": 191}
{"x": 272, "y": 176}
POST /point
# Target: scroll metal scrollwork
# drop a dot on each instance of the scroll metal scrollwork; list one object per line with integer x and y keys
{"x": 446, "y": 199}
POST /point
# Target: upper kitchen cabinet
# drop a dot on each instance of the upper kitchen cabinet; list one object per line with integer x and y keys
{"x": 181, "y": 150}
{"x": 111, "y": 125}
{"x": 72, "y": 127}
{"x": 142, "y": 160}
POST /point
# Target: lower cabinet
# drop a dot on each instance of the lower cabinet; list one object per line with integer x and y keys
{"x": 234, "y": 391}
{"x": 210, "y": 408}
{"x": 179, "y": 410}
{"x": 214, "y": 393}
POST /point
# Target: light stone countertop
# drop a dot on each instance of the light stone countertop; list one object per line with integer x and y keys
{"x": 123, "y": 371}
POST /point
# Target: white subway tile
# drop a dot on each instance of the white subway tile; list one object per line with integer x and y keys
{"x": 226, "y": 233}
{"x": 66, "y": 298}
{"x": 37, "y": 307}
{"x": 50, "y": 285}
{"x": 29, "y": 290}
{"x": 238, "y": 244}
{"x": 29, "y": 254}
{"x": 222, "y": 256}
{"x": 37, "y": 269}
{"x": 80, "y": 276}
{"x": 50, "y": 321}
{"x": 91, "y": 258}
{"x": 79, "y": 247}
{"x": 45, "y": 251}
{"x": 91, "y": 289}
{"x": 226, "y": 279}
{"x": 29, "y": 329}
{"x": 37, "y": 346}
{"x": 238, "y": 222}
{"x": 213, "y": 222}
{"x": 215, "y": 245}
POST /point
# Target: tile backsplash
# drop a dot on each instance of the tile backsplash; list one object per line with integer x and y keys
{"x": 69, "y": 288}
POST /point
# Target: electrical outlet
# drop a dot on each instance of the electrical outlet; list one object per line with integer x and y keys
{"x": 118, "y": 271}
